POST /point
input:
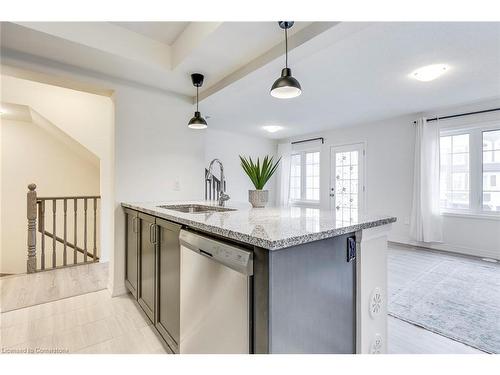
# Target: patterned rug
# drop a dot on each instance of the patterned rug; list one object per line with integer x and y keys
{"x": 453, "y": 296}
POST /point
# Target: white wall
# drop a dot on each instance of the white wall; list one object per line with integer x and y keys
{"x": 32, "y": 154}
{"x": 86, "y": 118}
{"x": 227, "y": 146}
{"x": 389, "y": 183}
{"x": 153, "y": 148}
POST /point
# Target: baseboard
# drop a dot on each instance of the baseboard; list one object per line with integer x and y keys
{"x": 117, "y": 290}
{"x": 476, "y": 252}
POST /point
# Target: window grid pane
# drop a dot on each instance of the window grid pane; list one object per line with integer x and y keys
{"x": 491, "y": 171}
{"x": 312, "y": 176}
{"x": 295, "y": 177}
{"x": 455, "y": 171}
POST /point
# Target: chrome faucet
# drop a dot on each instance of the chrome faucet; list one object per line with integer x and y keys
{"x": 222, "y": 197}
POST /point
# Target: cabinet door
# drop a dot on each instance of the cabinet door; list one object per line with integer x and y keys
{"x": 147, "y": 264}
{"x": 168, "y": 290}
{"x": 131, "y": 247}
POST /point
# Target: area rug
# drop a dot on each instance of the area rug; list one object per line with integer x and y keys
{"x": 457, "y": 297}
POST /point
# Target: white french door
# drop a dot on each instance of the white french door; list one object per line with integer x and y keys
{"x": 347, "y": 185}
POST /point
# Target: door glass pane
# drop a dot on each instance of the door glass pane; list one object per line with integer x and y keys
{"x": 491, "y": 170}
{"x": 346, "y": 184}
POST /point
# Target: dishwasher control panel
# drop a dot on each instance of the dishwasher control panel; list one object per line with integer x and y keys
{"x": 230, "y": 255}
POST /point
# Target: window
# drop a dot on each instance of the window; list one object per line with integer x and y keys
{"x": 470, "y": 170}
{"x": 491, "y": 171}
{"x": 454, "y": 175}
{"x": 304, "y": 177}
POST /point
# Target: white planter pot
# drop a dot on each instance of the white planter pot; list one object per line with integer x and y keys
{"x": 258, "y": 198}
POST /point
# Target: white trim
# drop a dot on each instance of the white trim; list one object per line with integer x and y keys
{"x": 477, "y": 252}
{"x": 470, "y": 215}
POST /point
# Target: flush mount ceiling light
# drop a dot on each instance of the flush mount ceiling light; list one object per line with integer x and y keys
{"x": 272, "y": 128}
{"x": 286, "y": 87}
{"x": 429, "y": 72}
{"x": 197, "y": 122}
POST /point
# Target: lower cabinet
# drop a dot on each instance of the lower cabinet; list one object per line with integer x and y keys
{"x": 131, "y": 250}
{"x": 146, "y": 295}
{"x": 152, "y": 271}
{"x": 167, "y": 319}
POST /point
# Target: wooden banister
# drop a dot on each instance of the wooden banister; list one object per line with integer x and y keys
{"x": 31, "y": 215}
{"x": 36, "y": 210}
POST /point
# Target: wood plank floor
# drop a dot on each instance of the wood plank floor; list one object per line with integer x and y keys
{"x": 404, "y": 338}
{"x": 25, "y": 290}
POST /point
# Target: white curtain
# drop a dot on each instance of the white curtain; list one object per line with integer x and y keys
{"x": 284, "y": 151}
{"x": 425, "y": 219}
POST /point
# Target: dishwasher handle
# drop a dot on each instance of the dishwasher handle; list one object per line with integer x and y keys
{"x": 232, "y": 256}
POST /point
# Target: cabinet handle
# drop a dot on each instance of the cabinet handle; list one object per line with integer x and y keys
{"x": 152, "y": 233}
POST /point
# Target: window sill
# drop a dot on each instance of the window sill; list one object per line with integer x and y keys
{"x": 313, "y": 204}
{"x": 471, "y": 215}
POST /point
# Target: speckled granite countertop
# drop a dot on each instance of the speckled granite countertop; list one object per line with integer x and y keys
{"x": 271, "y": 228}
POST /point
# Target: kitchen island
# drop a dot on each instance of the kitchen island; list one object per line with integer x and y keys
{"x": 314, "y": 286}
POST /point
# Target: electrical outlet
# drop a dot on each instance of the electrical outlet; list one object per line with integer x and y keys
{"x": 407, "y": 221}
{"x": 177, "y": 185}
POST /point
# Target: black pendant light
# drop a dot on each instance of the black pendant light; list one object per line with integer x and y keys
{"x": 197, "y": 122}
{"x": 286, "y": 87}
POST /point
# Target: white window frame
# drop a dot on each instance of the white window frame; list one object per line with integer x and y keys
{"x": 303, "y": 202}
{"x": 475, "y": 131}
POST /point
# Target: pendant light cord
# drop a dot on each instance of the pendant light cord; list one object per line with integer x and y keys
{"x": 197, "y": 88}
{"x": 286, "y": 49}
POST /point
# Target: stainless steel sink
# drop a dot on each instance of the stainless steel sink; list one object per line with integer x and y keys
{"x": 195, "y": 208}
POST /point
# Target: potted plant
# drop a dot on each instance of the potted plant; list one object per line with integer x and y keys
{"x": 259, "y": 174}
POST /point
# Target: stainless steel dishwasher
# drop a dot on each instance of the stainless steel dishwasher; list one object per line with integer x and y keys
{"x": 215, "y": 295}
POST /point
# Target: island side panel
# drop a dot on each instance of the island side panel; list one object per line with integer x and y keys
{"x": 260, "y": 321}
{"x": 312, "y": 298}
{"x": 372, "y": 290}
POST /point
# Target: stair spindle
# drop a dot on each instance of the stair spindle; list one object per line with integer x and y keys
{"x": 54, "y": 258}
{"x": 65, "y": 254}
{"x": 95, "y": 229}
{"x": 85, "y": 230}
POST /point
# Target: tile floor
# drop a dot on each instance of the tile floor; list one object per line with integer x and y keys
{"x": 18, "y": 291}
{"x": 95, "y": 323}
{"x": 90, "y": 323}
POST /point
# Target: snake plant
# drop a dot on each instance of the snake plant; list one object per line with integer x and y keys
{"x": 259, "y": 173}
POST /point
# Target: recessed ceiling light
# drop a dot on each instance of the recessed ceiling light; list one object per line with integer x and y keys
{"x": 272, "y": 128}
{"x": 429, "y": 72}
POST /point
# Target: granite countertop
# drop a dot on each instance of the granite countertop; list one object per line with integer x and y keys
{"x": 271, "y": 228}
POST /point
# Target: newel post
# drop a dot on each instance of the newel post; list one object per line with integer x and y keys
{"x": 31, "y": 215}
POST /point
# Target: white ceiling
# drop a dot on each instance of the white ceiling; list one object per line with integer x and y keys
{"x": 349, "y": 72}
{"x": 364, "y": 77}
{"x": 224, "y": 48}
{"x": 163, "y": 32}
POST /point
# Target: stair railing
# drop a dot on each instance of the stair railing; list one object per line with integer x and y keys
{"x": 36, "y": 207}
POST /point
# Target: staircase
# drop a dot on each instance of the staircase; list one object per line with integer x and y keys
{"x": 60, "y": 251}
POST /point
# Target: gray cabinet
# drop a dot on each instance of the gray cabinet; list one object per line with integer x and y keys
{"x": 167, "y": 319}
{"x": 131, "y": 250}
{"x": 152, "y": 271}
{"x": 146, "y": 295}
